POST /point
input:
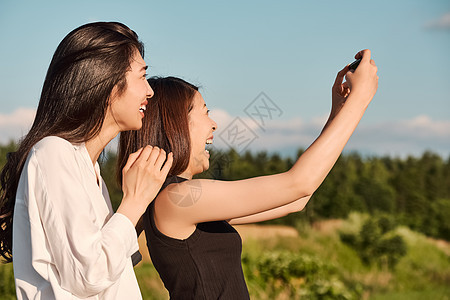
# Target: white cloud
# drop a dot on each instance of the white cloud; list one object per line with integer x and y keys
{"x": 404, "y": 137}
{"x": 15, "y": 125}
{"x": 425, "y": 126}
{"x": 442, "y": 23}
{"x": 397, "y": 138}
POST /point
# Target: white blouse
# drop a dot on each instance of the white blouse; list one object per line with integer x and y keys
{"x": 67, "y": 242}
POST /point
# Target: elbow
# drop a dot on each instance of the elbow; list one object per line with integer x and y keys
{"x": 309, "y": 188}
{"x": 85, "y": 289}
{"x": 302, "y": 186}
{"x": 79, "y": 289}
{"x": 88, "y": 283}
{"x": 298, "y": 205}
{"x": 294, "y": 207}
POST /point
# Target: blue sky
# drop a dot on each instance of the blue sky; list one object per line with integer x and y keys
{"x": 289, "y": 50}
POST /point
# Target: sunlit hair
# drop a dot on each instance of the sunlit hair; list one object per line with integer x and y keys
{"x": 165, "y": 124}
{"x": 88, "y": 63}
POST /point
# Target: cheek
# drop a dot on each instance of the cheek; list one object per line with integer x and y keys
{"x": 124, "y": 110}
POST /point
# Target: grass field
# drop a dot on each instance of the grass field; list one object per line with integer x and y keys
{"x": 281, "y": 262}
{"x": 423, "y": 273}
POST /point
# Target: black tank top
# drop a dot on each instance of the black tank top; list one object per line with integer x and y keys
{"x": 206, "y": 265}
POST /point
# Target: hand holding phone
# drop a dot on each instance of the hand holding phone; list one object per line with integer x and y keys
{"x": 354, "y": 65}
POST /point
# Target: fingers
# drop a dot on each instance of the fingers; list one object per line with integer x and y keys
{"x": 159, "y": 161}
{"x": 146, "y": 157}
{"x": 147, "y": 153}
{"x": 345, "y": 89}
{"x": 364, "y": 79}
{"x": 165, "y": 170}
{"x": 131, "y": 160}
{"x": 151, "y": 157}
{"x": 340, "y": 77}
{"x": 363, "y": 54}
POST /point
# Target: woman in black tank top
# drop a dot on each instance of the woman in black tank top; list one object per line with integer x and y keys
{"x": 188, "y": 226}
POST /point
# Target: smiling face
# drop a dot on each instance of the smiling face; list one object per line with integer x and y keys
{"x": 126, "y": 109}
{"x": 201, "y": 128}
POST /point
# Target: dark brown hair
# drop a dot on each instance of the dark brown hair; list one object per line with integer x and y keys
{"x": 165, "y": 124}
{"x": 88, "y": 63}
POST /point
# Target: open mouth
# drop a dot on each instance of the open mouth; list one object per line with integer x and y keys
{"x": 142, "y": 108}
{"x": 207, "y": 144}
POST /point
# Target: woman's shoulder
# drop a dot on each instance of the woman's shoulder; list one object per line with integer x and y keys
{"x": 52, "y": 143}
{"x": 52, "y": 149}
{"x": 172, "y": 181}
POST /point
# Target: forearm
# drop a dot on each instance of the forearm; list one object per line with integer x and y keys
{"x": 274, "y": 213}
{"x": 334, "y": 112}
{"x": 316, "y": 162}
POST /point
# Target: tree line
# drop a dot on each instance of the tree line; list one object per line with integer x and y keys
{"x": 412, "y": 191}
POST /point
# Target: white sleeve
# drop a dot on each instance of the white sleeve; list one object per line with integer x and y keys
{"x": 89, "y": 256}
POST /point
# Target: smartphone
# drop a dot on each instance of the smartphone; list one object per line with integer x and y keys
{"x": 354, "y": 64}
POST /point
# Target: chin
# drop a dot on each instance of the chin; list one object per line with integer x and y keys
{"x": 136, "y": 127}
{"x": 205, "y": 167}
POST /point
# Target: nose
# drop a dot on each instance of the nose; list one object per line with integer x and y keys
{"x": 214, "y": 125}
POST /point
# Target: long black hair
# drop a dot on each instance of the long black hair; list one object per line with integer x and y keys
{"x": 88, "y": 63}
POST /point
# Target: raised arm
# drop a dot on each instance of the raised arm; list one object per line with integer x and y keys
{"x": 223, "y": 200}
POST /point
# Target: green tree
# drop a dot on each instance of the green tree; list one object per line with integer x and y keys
{"x": 4, "y": 150}
{"x": 373, "y": 186}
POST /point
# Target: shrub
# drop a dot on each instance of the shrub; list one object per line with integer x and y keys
{"x": 376, "y": 243}
{"x": 296, "y": 276}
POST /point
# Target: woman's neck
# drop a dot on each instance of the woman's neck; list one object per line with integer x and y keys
{"x": 96, "y": 145}
{"x": 110, "y": 129}
{"x": 185, "y": 175}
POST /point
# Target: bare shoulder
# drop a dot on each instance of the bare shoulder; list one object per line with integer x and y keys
{"x": 171, "y": 209}
{"x": 186, "y": 193}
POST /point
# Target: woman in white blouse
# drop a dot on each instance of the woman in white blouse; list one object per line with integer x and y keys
{"x": 56, "y": 220}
